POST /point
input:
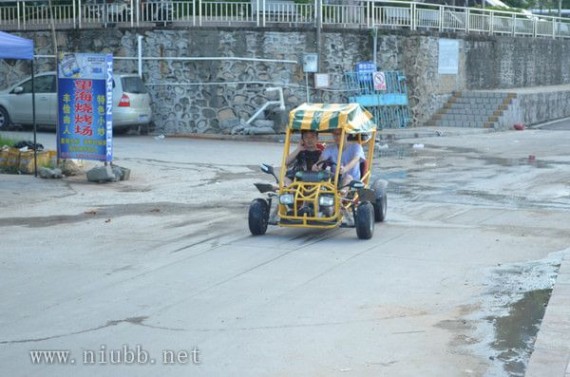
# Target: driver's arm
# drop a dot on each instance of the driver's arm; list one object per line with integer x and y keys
{"x": 358, "y": 153}
{"x": 315, "y": 167}
{"x": 352, "y": 163}
{"x": 293, "y": 155}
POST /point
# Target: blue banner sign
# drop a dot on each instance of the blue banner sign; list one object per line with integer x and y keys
{"x": 85, "y": 106}
{"x": 365, "y": 70}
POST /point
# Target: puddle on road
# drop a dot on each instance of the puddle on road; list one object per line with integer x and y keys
{"x": 397, "y": 151}
{"x": 510, "y": 313}
{"x": 401, "y": 151}
{"x": 402, "y": 182}
{"x": 529, "y": 161}
{"x": 515, "y": 333}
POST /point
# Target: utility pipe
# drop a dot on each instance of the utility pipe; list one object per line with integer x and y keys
{"x": 281, "y": 103}
{"x": 139, "y": 57}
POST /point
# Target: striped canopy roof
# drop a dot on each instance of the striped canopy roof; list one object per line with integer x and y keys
{"x": 329, "y": 116}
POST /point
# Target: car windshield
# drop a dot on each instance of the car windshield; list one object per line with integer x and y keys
{"x": 133, "y": 85}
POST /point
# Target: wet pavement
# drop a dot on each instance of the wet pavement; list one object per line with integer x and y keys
{"x": 530, "y": 319}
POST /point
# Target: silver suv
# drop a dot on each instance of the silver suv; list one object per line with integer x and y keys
{"x": 131, "y": 103}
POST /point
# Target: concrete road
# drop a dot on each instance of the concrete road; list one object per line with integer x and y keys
{"x": 159, "y": 275}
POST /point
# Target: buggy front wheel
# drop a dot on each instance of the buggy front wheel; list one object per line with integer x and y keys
{"x": 364, "y": 220}
{"x": 258, "y": 217}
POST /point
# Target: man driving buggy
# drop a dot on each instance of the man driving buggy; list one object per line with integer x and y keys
{"x": 304, "y": 156}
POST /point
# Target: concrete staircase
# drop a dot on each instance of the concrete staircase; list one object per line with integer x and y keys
{"x": 473, "y": 109}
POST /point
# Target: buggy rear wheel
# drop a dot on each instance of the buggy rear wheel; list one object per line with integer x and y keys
{"x": 381, "y": 202}
{"x": 380, "y": 208}
{"x": 258, "y": 217}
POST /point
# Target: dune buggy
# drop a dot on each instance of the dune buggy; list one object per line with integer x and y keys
{"x": 316, "y": 198}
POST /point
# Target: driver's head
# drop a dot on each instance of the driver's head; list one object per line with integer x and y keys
{"x": 310, "y": 138}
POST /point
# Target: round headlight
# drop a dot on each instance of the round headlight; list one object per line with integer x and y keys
{"x": 286, "y": 199}
{"x": 326, "y": 201}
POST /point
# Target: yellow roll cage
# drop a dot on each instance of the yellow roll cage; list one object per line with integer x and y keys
{"x": 354, "y": 122}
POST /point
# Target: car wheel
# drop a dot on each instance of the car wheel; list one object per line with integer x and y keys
{"x": 144, "y": 129}
{"x": 4, "y": 119}
{"x": 364, "y": 221}
{"x": 258, "y": 217}
{"x": 120, "y": 130}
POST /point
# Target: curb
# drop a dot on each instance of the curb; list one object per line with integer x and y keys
{"x": 549, "y": 123}
{"x": 276, "y": 138}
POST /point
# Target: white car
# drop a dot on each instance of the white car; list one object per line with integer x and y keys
{"x": 131, "y": 103}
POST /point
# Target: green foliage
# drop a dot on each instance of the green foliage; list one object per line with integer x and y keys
{"x": 6, "y": 141}
{"x": 537, "y": 4}
{"x": 521, "y": 4}
{"x": 500, "y": 9}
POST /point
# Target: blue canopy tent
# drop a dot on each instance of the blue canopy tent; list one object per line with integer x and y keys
{"x": 14, "y": 47}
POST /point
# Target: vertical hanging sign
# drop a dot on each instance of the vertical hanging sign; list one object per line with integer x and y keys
{"x": 448, "y": 58}
{"x": 85, "y": 104}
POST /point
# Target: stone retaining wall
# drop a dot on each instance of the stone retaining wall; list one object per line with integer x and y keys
{"x": 208, "y": 96}
{"x": 538, "y": 106}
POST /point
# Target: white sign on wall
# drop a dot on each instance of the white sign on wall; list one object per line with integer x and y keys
{"x": 310, "y": 63}
{"x": 322, "y": 80}
{"x": 448, "y": 58}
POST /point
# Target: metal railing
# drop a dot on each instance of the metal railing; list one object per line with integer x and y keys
{"x": 370, "y": 14}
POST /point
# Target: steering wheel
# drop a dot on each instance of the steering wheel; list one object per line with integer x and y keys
{"x": 326, "y": 163}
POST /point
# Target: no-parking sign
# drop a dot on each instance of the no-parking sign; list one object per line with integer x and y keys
{"x": 379, "y": 80}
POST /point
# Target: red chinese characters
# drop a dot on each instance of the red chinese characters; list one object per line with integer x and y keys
{"x": 83, "y": 107}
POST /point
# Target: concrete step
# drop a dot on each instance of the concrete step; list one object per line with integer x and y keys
{"x": 465, "y": 118}
{"x": 473, "y": 109}
{"x": 481, "y": 94}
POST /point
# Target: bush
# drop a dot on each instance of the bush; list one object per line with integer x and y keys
{"x": 6, "y": 141}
